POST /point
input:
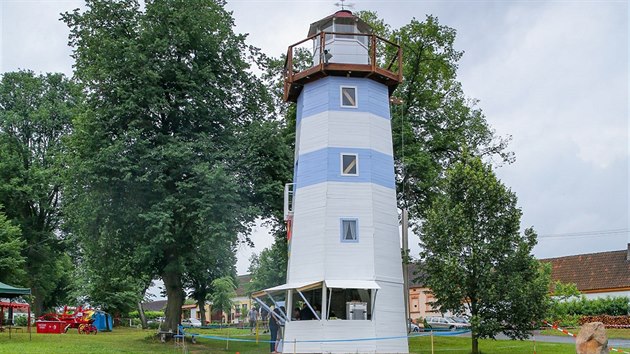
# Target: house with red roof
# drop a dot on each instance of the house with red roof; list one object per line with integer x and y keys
{"x": 596, "y": 275}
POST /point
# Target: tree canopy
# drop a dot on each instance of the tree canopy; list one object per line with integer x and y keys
{"x": 476, "y": 259}
{"x": 163, "y": 159}
{"x": 11, "y": 258}
{"x": 35, "y": 116}
{"x": 435, "y": 120}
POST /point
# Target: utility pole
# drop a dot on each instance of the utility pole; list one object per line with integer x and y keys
{"x": 405, "y": 263}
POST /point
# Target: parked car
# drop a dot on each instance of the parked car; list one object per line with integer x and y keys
{"x": 157, "y": 320}
{"x": 446, "y": 323}
{"x": 413, "y": 327}
{"x": 191, "y": 322}
{"x": 460, "y": 320}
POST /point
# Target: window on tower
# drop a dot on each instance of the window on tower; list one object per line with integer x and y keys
{"x": 349, "y": 230}
{"x": 349, "y": 165}
{"x": 348, "y": 97}
{"x": 344, "y": 28}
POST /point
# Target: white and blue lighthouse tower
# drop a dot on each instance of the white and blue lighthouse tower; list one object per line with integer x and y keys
{"x": 345, "y": 267}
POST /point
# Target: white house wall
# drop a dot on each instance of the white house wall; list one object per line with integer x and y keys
{"x": 607, "y": 294}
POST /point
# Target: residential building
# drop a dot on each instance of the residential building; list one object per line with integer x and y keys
{"x": 242, "y": 301}
{"x": 420, "y": 296}
{"x": 596, "y": 275}
{"x": 242, "y": 304}
{"x": 158, "y": 305}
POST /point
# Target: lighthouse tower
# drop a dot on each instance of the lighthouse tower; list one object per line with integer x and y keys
{"x": 345, "y": 268}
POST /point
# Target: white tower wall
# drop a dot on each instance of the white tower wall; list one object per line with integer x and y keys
{"x": 324, "y": 196}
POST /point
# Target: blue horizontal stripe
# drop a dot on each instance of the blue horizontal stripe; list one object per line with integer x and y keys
{"x": 325, "y": 95}
{"x": 232, "y": 339}
{"x": 325, "y": 166}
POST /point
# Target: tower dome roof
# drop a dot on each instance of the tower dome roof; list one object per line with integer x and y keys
{"x": 341, "y": 14}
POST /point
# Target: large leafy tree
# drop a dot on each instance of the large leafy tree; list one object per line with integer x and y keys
{"x": 433, "y": 120}
{"x": 475, "y": 258}
{"x": 35, "y": 116}
{"x": 11, "y": 258}
{"x": 161, "y": 161}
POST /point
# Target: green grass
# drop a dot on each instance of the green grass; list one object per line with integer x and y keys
{"x": 616, "y": 333}
{"x": 125, "y": 340}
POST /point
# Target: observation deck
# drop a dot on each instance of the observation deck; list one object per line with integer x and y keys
{"x": 351, "y": 52}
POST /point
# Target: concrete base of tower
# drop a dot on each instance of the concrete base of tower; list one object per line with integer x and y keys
{"x": 339, "y": 336}
{"x": 385, "y": 332}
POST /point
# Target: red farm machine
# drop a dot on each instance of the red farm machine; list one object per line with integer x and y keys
{"x": 79, "y": 318}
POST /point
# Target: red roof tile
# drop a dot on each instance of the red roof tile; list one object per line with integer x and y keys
{"x": 593, "y": 271}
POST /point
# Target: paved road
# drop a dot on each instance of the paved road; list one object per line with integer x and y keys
{"x": 615, "y": 343}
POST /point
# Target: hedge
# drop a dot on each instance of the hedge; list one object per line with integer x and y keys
{"x": 611, "y": 306}
{"x": 150, "y": 315}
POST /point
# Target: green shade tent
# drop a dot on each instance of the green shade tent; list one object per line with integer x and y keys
{"x": 8, "y": 291}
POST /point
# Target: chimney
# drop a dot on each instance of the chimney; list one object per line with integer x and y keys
{"x": 628, "y": 255}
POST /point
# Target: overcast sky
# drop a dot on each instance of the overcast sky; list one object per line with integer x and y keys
{"x": 553, "y": 75}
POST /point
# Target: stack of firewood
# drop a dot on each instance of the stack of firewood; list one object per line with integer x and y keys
{"x": 608, "y": 321}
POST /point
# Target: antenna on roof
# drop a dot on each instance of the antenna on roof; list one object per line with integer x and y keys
{"x": 343, "y": 5}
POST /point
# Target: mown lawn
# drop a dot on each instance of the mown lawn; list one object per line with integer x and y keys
{"x": 616, "y": 333}
{"x": 125, "y": 340}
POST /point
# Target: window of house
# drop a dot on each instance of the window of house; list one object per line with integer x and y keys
{"x": 349, "y": 97}
{"x": 349, "y": 165}
{"x": 349, "y": 230}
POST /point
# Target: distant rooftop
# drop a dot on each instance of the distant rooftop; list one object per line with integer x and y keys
{"x": 593, "y": 272}
{"x": 154, "y": 305}
{"x": 241, "y": 287}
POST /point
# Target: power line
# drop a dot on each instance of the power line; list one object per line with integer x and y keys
{"x": 582, "y": 234}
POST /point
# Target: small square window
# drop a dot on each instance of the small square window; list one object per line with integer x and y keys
{"x": 348, "y": 97}
{"x": 349, "y": 230}
{"x": 349, "y": 165}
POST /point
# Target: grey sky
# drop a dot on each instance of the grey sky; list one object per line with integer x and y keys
{"x": 553, "y": 75}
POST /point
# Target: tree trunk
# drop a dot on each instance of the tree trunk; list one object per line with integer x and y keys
{"x": 202, "y": 313}
{"x": 201, "y": 303}
{"x": 143, "y": 318}
{"x": 473, "y": 325}
{"x": 175, "y": 300}
{"x": 38, "y": 302}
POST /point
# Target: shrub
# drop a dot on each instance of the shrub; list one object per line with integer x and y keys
{"x": 612, "y": 306}
{"x": 21, "y": 321}
{"x": 567, "y": 321}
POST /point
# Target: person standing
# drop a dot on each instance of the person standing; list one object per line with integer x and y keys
{"x": 252, "y": 315}
{"x": 264, "y": 316}
{"x": 275, "y": 321}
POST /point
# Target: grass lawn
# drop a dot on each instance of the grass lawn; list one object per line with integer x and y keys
{"x": 125, "y": 340}
{"x": 616, "y": 333}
